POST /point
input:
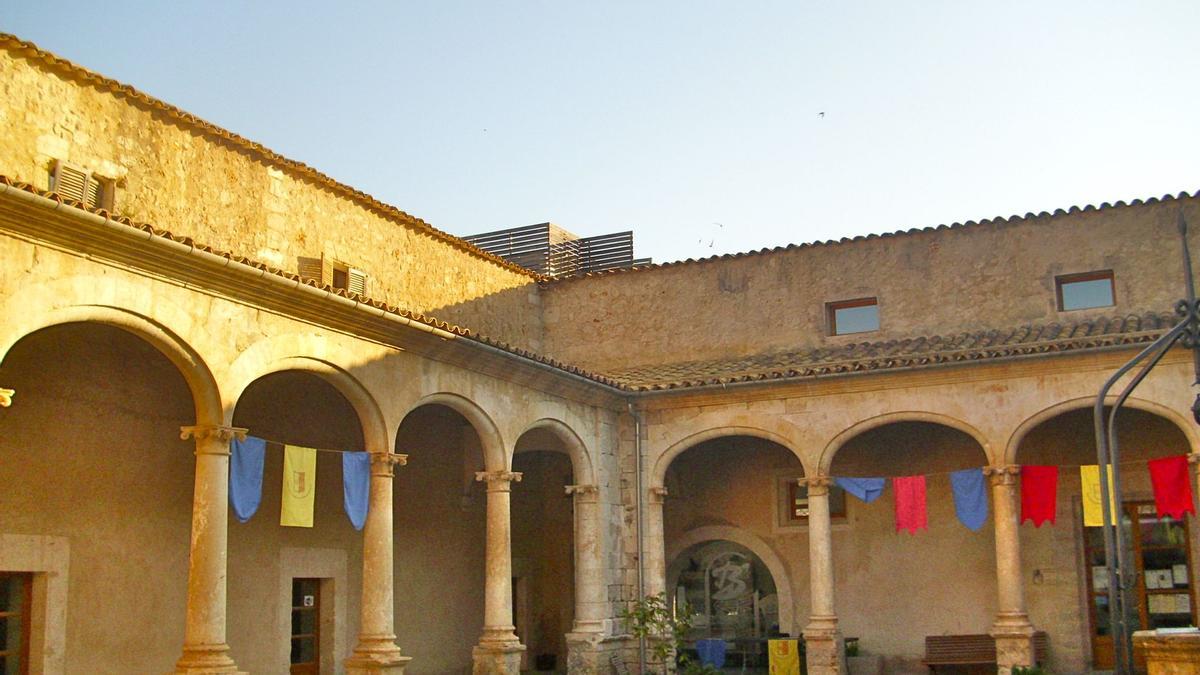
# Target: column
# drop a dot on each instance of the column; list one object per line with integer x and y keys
{"x": 204, "y": 647}
{"x": 1012, "y": 629}
{"x": 821, "y": 636}
{"x": 376, "y": 651}
{"x": 654, "y": 543}
{"x": 591, "y": 606}
{"x": 498, "y": 650}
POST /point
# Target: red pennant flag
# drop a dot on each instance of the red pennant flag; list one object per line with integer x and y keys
{"x": 910, "y": 503}
{"x": 1172, "y": 486}
{"x": 1039, "y": 494}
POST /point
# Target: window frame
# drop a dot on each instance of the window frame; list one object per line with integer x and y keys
{"x": 105, "y": 188}
{"x": 831, "y": 309}
{"x": 837, "y": 507}
{"x": 1080, "y": 277}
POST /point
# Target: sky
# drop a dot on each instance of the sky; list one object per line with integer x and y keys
{"x": 704, "y": 127}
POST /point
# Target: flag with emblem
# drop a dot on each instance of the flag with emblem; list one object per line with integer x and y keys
{"x": 784, "y": 657}
{"x": 299, "y": 486}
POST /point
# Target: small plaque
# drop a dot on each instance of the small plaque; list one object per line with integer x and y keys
{"x": 310, "y": 600}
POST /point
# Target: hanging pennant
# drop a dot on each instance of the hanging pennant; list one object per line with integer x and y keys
{"x": 299, "y": 486}
{"x": 970, "y": 498}
{"x": 910, "y": 503}
{"x": 1093, "y": 504}
{"x": 1172, "y": 486}
{"x": 356, "y": 486}
{"x": 1039, "y": 494}
{"x": 866, "y": 489}
{"x": 245, "y": 476}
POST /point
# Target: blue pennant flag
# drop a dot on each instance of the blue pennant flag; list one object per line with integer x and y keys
{"x": 356, "y": 486}
{"x": 866, "y": 489}
{"x": 970, "y": 497}
{"x": 245, "y": 476}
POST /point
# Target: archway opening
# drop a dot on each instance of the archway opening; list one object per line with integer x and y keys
{"x": 440, "y": 521}
{"x": 946, "y": 574}
{"x": 728, "y": 590}
{"x": 90, "y": 452}
{"x": 1061, "y": 560}
{"x": 303, "y": 582}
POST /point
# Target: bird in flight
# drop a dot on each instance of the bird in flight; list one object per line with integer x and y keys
{"x": 821, "y": 114}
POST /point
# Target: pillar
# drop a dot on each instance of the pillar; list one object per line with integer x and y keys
{"x": 583, "y": 642}
{"x": 823, "y": 640}
{"x": 499, "y": 650}
{"x": 204, "y": 648}
{"x": 1012, "y": 629}
{"x": 654, "y": 543}
{"x": 376, "y": 652}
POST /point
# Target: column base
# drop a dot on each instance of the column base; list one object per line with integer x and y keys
{"x": 1014, "y": 641}
{"x": 826, "y": 652}
{"x": 497, "y": 658}
{"x": 376, "y": 654}
{"x": 206, "y": 660}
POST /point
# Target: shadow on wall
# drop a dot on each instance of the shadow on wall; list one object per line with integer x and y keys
{"x": 513, "y": 316}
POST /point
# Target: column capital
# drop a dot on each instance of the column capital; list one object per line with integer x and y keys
{"x": 1003, "y": 475}
{"x": 382, "y": 463}
{"x": 658, "y": 494}
{"x": 204, "y": 432}
{"x": 498, "y": 480}
{"x": 6, "y": 396}
{"x": 582, "y": 490}
{"x": 817, "y": 485}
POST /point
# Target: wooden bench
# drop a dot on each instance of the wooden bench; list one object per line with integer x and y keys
{"x": 973, "y": 650}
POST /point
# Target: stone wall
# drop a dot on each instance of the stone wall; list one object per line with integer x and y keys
{"x": 181, "y": 178}
{"x": 936, "y": 283}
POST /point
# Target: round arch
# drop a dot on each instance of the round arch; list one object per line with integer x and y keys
{"x": 581, "y": 461}
{"x": 374, "y": 429}
{"x": 495, "y": 457}
{"x": 832, "y": 448}
{"x": 206, "y": 396}
{"x": 760, "y": 548}
{"x": 1014, "y": 442}
{"x": 659, "y": 474}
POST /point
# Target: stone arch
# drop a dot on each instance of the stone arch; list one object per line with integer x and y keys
{"x": 760, "y": 548}
{"x": 206, "y": 396}
{"x": 495, "y": 456}
{"x": 846, "y": 435}
{"x": 581, "y": 461}
{"x": 1014, "y": 442}
{"x": 370, "y": 417}
{"x": 658, "y": 475}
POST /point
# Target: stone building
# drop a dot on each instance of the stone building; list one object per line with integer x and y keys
{"x": 543, "y": 450}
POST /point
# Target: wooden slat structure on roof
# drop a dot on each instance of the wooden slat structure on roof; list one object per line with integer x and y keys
{"x": 552, "y": 251}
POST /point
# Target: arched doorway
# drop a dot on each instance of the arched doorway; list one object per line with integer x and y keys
{"x": 728, "y": 589}
{"x": 1068, "y": 589}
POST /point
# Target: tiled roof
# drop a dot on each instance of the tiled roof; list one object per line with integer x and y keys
{"x": 1011, "y": 220}
{"x": 61, "y": 66}
{"x": 363, "y": 299}
{"x": 900, "y": 354}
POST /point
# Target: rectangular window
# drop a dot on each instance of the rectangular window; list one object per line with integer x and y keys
{"x": 1084, "y": 291}
{"x": 333, "y": 273}
{"x": 15, "y": 600}
{"x": 853, "y": 316}
{"x": 798, "y": 502}
{"x": 79, "y": 184}
{"x": 306, "y": 626}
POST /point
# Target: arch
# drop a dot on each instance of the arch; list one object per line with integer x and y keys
{"x": 581, "y": 461}
{"x": 206, "y": 397}
{"x": 885, "y": 419}
{"x": 370, "y": 417}
{"x": 659, "y": 474}
{"x": 760, "y": 548}
{"x": 1014, "y": 442}
{"x": 495, "y": 457}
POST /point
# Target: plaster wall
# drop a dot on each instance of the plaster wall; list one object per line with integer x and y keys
{"x": 937, "y": 283}
{"x": 192, "y": 183}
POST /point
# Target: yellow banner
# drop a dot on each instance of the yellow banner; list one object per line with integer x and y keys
{"x": 1093, "y": 509}
{"x": 299, "y": 486}
{"x": 784, "y": 657}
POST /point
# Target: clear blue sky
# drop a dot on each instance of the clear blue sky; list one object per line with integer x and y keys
{"x": 696, "y": 124}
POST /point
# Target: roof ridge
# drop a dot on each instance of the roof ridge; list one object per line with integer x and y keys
{"x": 998, "y": 220}
{"x": 31, "y": 52}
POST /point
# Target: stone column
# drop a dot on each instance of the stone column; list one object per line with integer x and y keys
{"x": 822, "y": 638}
{"x": 204, "y": 648}
{"x": 376, "y": 652}
{"x": 1012, "y": 629}
{"x": 499, "y": 650}
{"x": 591, "y": 607}
{"x": 654, "y": 546}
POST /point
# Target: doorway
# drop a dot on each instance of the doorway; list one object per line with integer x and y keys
{"x": 306, "y": 627}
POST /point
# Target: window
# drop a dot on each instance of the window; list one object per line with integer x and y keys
{"x": 798, "y": 502}
{"x": 334, "y": 273}
{"x": 1084, "y": 291}
{"x": 853, "y": 316}
{"x": 15, "y": 600}
{"x": 306, "y": 626}
{"x": 81, "y": 185}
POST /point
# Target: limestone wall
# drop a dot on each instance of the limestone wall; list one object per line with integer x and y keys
{"x": 936, "y": 283}
{"x": 187, "y": 181}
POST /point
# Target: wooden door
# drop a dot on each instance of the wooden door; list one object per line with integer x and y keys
{"x": 306, "y": 627}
